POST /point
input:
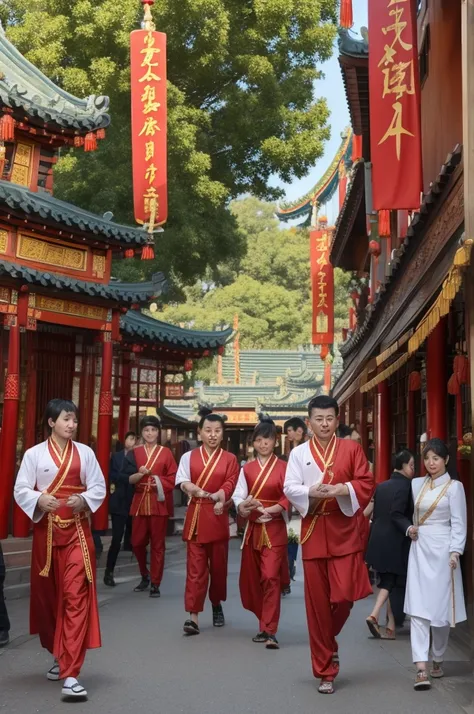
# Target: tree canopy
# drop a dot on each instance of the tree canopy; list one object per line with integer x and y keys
{"x": 269, "y": 289}
{"x": 241, "y": 108}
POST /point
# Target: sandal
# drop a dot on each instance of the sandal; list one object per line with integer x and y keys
{"x": 53, "y": 673}
{"x": 326, "y": 687}
{"x": 75, "y": 690}
{"x": 436, "y": 670}
{"x": 374, "y": 627}
{"x": 191, "y": 628}
{"x": 421, "y": 681}
{"x": 389, "y": 634}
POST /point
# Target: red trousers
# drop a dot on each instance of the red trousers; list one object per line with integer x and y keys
{"x": 285, "y": 571}
{"x": 260, "y": 584}
{"x": 326, "y": 588}
{"x": 204, "y": 561}
{"x": 150, "y": 529}
{"x": 63, "y": 606}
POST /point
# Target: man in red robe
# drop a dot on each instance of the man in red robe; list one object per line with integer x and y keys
{"x": 208, "y": 475}
{"x": 152, "y": 470}
{"x": 328, "y": 480}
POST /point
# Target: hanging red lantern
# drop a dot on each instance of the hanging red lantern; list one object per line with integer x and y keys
{"x": 221, "y": 350}
{"x": 374, "y": 248}
{"x": 90, "y": 142}
{"x": 78, "y": 141}
{"x": 100, "y": 133}
{"x": 346, "y": 18}
{"x": 7, "y": 128}
{"x": 461, "y": 369}
{"x": 129, "y": 253}
{"x": 454, "y": 386}
{"x": 206, "y": 353}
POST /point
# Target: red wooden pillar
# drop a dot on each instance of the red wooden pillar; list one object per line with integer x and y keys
{"x": 436, "y": 383}
{"x": 100, "y": 519}
{"x": 124, "y": 408}
{"x": 383, "y": 451}
{"x": 327, "y": 376}
{"x": 9, "y": 424}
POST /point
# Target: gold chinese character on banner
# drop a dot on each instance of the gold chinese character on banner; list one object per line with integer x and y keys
{"x": 149, "y": 150}
{"x": 148, "y": 100}
{"x": 150, "y": 51}
{"x": 150, "y": 127}
{"x": 397, "y": 28}
{"x": 396, "y": 80}
{"x": 396, "y": 129}
{"x": 150, "y": 173}
{"x": 150, "y": 198}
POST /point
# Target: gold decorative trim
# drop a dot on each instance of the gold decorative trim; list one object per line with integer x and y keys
{"x": 98, "y": 265}
{"x": 41, "y": 251}
{"x": 67, "y": 307}
{"x": 3, "y": 241}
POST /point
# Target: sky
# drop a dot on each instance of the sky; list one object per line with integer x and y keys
{"x": 331, "y": 87}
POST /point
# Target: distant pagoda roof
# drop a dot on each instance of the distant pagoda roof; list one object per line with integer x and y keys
{"x": 47, "y": 210}
{"x": 24, "y": 88}
{"x": 128, "y": 293}
{"x": 139, "y": 326}
{"x": 324, "y": 189}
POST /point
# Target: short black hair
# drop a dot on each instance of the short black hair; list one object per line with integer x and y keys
{"x": 149, "y": 421}
{"x": 54, "y": 408}
{"x": 295, "y": 423}
{"x": 343, "y": 431}
{"x": 401, "y": 458}
{"x": 266, "y": 429}
{"x": 208, "y": 415}
{"x": 438, "y": 447}
{"x": 322, "y": 401}
{"x": 129, "y": 433}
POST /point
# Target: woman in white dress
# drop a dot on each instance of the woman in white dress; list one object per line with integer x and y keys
{"x": 434, "y": 593}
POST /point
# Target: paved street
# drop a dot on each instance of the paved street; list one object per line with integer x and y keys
{"x": 147, "y": 665}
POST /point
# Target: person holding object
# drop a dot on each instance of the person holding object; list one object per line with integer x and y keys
{"x": 389, "y": 542}
{"x": 58, "y": 484}
{"x": 434, "y": 594}
{"x": 208, "y": 476}
{"x": 151, "y": 468}
{"x": 259, "y": 499}
{"x": 328, "y": 480}
{"x": 120, "y": 501}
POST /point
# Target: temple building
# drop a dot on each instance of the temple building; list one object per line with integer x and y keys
{"x": 68, "y": 329}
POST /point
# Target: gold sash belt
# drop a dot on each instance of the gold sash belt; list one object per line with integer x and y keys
{"x": 67, "y": 523}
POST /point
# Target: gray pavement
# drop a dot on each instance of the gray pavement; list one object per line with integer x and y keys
{"x": 147, "y": 665}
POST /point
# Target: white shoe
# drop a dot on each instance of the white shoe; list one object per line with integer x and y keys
{"x": 72, "y": 688}
{"x": 53, "y": 673}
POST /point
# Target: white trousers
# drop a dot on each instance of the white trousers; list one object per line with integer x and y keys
{"x": 420, "y": 640}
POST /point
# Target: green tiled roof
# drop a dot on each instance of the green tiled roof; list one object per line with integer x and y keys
{"x": 47, "y": 210}
{"x": 25, "y": 88}
{"x": 137, "y": 325}
{"x": 128, "y": 293}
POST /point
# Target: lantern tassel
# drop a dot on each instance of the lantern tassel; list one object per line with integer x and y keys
{"x": 90, "y": 142}
{"x": 7, "y": 128}
{"x": 384, "y": 224}
{"x": 346, "y": 16}
{"x": 148, "y": 253}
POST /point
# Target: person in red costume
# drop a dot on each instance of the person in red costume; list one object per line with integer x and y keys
{"x": 151, "y": 468}
{"x": 59, "y": 483}
{"x": 259, "y": 498}
{"x": 208, "y": 476}
{"x": 328, "y": 480}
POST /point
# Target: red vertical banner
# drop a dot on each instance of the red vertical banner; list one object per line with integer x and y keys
{"x": 149, "y": 126}
{"x": 395, "y": 127}
{"x": 322, "y": 283}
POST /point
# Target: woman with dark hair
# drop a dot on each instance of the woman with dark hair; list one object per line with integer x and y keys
{"x": 389, "y": 541}
{"x": 260, "y": 499}
{"x": 208, "y": 476}
{"x": 58, "y": 484}
{"x": 434, "y": 594}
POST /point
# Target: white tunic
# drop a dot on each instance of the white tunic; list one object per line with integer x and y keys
{"x": 38, "y": 470}
{"x": 303, "y": 472}
{"x": 435, "y": 592}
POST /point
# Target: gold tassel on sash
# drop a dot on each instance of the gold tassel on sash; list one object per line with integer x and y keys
{"x": 49, "y": 547}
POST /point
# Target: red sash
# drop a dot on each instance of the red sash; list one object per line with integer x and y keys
{"x": 210, "y": 464}
{"x": 265, "y": 472}
{"x": 324, "y": 458}
{"x": 62, "y": 523}
{"x": 147, "y": 483}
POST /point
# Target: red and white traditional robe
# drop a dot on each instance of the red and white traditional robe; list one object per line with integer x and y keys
{"x": 264, "y": 544}
{"x": 63, "y": 601}
{"x": 207, "y": 534}
{"x": 332, "y": 542}
{"x": 149, "y": 507}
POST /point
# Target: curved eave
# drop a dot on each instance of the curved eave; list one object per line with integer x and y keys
{"x": 128, "y": 293}
{"x": 46, "y": 209}
{"x": 23, "y": 87}
{"x": 350, "y": 241}
{"x": 139, "y": 326}
{"x": 168, "y": 415}
{"x": 354, "y": 64}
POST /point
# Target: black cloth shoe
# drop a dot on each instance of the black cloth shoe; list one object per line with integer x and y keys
{"x": 272, "y": 643}
{"x": 155, "y": 591}
{"x": 142, "y": 586}
{"x": 286, "y": 591}
{"x": 260, "y": 637}
{"x": 109, "y": 578}
{"x": 4, "y": 638}
{"x": 218, "y": 619}
{"x": 190, "y": 628}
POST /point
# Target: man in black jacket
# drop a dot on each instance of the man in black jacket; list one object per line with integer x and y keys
{"x": 121, "y": 494}
{"x": 4, "y": 621}
{"x": 391, "y": 531}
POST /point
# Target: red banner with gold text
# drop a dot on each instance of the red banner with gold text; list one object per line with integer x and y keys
{"x": 395, "y": 132}
{"x": 149, "y": 125}
{"x": 322, "y": 283}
